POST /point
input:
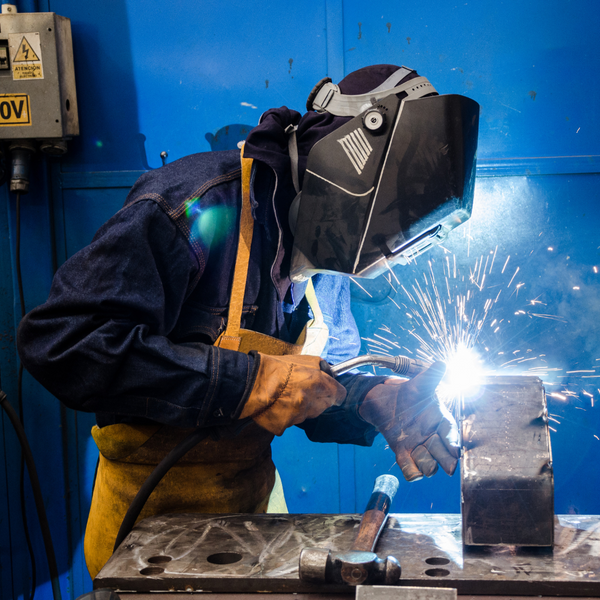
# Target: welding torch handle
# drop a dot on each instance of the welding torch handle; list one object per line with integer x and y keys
{"x": 402, "y": 365}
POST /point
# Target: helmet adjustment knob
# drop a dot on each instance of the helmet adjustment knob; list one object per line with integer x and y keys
{"x": 374, "y": 120}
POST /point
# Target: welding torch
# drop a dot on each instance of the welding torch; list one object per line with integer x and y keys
{"x": 402, "y": 365}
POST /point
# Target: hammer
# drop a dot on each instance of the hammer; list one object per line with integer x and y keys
{"x": 360, "y": 565}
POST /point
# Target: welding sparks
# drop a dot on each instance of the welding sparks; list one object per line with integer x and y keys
{"x": 361, "y": 287}
{"x": 464, "y": 375}
{"x": 459, "y": 315}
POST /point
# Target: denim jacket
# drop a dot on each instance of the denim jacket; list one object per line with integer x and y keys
{"x": 128, "y": 327}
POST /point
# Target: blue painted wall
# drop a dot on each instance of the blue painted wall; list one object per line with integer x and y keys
{"x": 185, "y": 77}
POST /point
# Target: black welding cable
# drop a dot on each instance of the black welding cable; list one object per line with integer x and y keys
{"x": 22, "y": 491}
{"x": 136, "y": 506}
{"x": 26, "y": 454}
{"x": 18, "y": 254}
{"x": 37, "y": 493}
{"x": 20, "y": 399}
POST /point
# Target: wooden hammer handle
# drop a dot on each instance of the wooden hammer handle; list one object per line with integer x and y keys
{"x": 376, "y": 513}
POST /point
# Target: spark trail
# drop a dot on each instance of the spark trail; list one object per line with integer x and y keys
{"x": 472, "y": 321}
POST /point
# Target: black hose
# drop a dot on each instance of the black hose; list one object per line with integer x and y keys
{"x": 22, "y": 491}
{"x": 26, "y": 454}
{"x": 18, "y": 254}
{"x": 136, "y": 506}
{"x": 20, "y": 396}
{"x": 37, "y": 493}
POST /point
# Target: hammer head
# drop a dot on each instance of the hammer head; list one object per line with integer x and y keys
{"x": 319, "y": 565}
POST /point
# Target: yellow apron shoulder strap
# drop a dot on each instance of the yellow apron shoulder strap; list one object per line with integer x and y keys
{"x": 231, "y": 338}
{"x": 314, "y": 336}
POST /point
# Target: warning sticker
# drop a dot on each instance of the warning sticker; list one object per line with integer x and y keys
{"x": 14, "y": 110}
{"x": 26, "y": 55}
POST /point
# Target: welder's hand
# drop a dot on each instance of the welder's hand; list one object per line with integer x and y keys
{"x": 418, "y": 428}
{"x": 288, "y": 390}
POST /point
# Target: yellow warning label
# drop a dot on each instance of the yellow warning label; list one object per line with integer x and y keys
{"x": 14, "y": 110}
{"x": 25, "y": 53}
{"x": 33, "y": 71}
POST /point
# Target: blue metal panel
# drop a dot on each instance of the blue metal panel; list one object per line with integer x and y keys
{"x": 529, "y": 64}
{"x": 335, "y": 39}
{"x": 308, "y": 473}
{"x": 156, "y": 77}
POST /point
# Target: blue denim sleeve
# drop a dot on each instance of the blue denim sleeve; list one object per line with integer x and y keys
{"x": 100, "y": 342}
{"x": 333, "y": 295}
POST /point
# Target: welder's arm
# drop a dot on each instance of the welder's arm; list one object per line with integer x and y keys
{"x": 418, "y": 428}
{"x": 104, "y": 341}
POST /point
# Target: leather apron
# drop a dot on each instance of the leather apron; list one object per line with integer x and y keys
{"x": 225, "y": 476}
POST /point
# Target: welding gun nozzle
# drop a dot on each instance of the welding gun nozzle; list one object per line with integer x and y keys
{"x": 402, "y": 365}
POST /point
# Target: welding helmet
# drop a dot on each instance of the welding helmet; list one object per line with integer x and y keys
{"x": 389, "y": 183}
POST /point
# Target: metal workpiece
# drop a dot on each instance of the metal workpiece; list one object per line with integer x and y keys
{"x": 386, "y": 592}
{"x": 401, "y": 365}
{"x": 259, "y": 553}
{"x": 507, "y": 482}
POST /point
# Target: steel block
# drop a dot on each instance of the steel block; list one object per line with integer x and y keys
{"x": 507, "y": 479}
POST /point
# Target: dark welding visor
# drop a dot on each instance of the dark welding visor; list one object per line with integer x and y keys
{"x": 386, "y": 186}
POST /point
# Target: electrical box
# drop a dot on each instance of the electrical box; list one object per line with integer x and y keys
{"x": 37, "y": 79}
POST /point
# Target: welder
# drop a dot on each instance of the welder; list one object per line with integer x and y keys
{"x": 181, "y": 314}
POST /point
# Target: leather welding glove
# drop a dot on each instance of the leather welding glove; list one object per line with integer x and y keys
{"x": 417, "y": 426}
{"x": 288, "y": 390}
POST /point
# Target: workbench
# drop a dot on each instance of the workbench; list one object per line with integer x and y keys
{"x": 171, "y": 556}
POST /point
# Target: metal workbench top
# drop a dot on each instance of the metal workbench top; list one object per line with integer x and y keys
{"x": 259, "y": 553}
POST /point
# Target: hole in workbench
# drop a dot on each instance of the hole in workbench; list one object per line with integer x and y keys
{"x": 437, "y": 572}
{"x": 159, "y": 560}
{"x": 224, "y": 558}
{"x": 437, "y": 560}
{"x": 152, "y": 571}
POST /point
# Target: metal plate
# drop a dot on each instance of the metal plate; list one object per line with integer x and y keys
{"x": 192, "y": 553}
{"x": 388, "y": 592}
{"x": 506, "y": 469}
{"x": 324, "y": 596}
